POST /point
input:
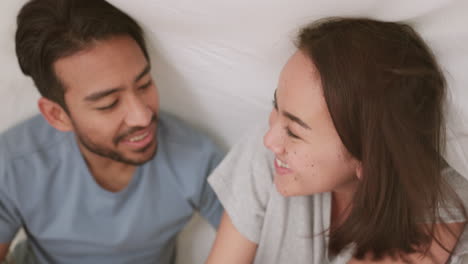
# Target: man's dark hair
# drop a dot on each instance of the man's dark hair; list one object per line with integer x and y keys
{"x": 52, "y": 29}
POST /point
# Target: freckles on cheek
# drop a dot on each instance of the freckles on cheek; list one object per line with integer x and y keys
{"x": 284, "y": 192}
{"x": 290, "y": 187}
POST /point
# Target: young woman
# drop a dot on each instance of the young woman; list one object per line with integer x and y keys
{"x": 352, "y": 170}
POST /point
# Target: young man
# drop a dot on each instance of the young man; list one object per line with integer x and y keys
{"x": 101, "y": 176}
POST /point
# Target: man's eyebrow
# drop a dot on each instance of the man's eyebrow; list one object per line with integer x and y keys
{"x": 296, "y": 119}
{"x": 145, "y": 71}
{"x": 98, "y": 95}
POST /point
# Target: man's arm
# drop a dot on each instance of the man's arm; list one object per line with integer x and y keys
{"x": 230, "y": 246}
{"x": 435, "y": 255}
{"x": 3, "y": 250}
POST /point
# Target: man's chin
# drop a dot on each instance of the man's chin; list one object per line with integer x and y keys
{"x": 146, "y": 154}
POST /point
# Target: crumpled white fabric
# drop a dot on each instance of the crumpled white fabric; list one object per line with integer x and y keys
{"x": 217, "y": 61}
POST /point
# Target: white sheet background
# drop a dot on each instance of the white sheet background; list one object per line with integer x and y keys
{"x": 216, "y": 63}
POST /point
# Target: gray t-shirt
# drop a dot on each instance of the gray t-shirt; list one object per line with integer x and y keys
{"x": 46, "y": 187}
{"x": 286, "y": 229}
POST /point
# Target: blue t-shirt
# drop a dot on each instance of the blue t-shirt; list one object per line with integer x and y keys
{"x": 46, "y": 187}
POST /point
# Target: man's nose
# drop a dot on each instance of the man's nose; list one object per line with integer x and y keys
{"x": 139, "y": 114}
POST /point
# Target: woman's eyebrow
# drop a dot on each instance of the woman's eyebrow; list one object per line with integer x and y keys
{"x": 295, "y": 119}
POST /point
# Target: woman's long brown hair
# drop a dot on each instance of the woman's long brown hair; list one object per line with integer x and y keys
{"x": 384, "y": 91}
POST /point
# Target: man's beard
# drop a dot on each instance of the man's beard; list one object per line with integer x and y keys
{"x": 115, "y": 155}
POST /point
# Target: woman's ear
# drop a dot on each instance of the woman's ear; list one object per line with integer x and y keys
{"x": 359, "y": 170}
{"x": 55, "y": 115}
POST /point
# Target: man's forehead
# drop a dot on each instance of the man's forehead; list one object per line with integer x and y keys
{"x": 108, "y": 63}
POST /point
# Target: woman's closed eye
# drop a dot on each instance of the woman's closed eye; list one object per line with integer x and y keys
{"x": 291, "y": 134}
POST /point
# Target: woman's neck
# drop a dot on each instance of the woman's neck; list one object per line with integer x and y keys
{"x": 341, "y": 205}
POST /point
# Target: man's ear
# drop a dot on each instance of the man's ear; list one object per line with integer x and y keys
{"x": 55, "y": 114}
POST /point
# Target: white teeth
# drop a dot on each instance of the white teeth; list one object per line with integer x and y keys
{"x": 138, "y": 138}
{"x": 282, "y": 164}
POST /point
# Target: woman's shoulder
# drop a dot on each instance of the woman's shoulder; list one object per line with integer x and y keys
{"x": 243, "y": 184}
{"x": 457, "y": 184}
{"x": 248, "y": 159}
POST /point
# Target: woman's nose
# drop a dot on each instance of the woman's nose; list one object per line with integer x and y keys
{"x": 273, "y": 139}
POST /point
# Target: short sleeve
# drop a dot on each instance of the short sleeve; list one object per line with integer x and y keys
{"x": 10, "y": 220}
{"x": 243, "y": 182}
{"x": 187, "y": 156}
{"x": 207, "y": 203}
{"x": 450, "y": 211}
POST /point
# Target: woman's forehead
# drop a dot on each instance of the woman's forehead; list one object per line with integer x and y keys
{"x": 300, "y": 91}
{"x": 300, "y": 79}
{"x": 299, "y": 70}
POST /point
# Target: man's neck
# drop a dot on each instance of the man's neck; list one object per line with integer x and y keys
{"x": 111, "y": 175}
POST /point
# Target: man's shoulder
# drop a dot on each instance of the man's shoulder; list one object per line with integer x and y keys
{"x": 177, "y": 133}
{"x": 28, "y": 137}
{"x": 186, "y": 152}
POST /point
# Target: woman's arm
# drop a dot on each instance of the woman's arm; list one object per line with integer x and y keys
{"x": 435, "y": 255}
{"x": 230, "y": 246}
{"x": 3, "y": 251}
